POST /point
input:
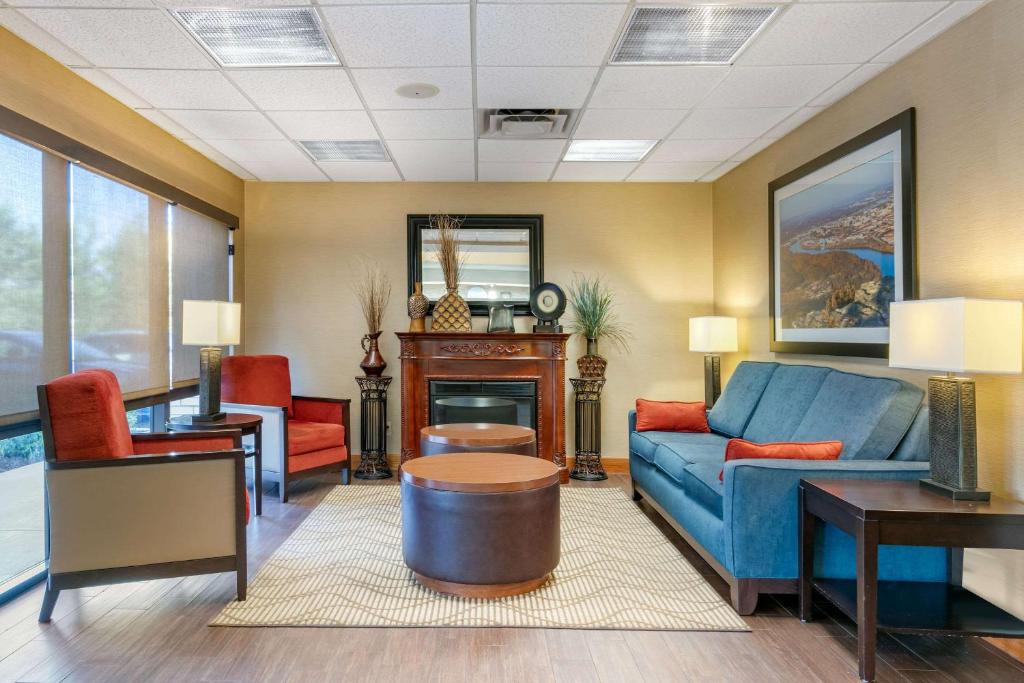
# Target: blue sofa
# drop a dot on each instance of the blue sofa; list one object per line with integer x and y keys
{"x": 745, "y": 526}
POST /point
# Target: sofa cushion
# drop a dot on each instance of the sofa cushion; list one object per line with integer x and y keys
{"x": 673, "y": 458}
{"x": 671, "y": 416}
{"x": 914, "y": 445}
{"x": 700, "y": 482}
{"x": 785, "y": 401}
{"x": 306, "y": 437}
{"x": 868, "y": 414}
{"x": 645, "y": 443}
{"x": 734, "y": 407}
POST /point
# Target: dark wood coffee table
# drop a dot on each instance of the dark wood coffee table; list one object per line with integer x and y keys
{"x": 480, "y": 525}
{"x": 902, "y": 513}
{"x": 477, "y": 437}
{"x": 248, "y": 424}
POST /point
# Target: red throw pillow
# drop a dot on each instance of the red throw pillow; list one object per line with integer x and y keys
{"x": 738, "y": 449}
{"x": 671, "y": 416}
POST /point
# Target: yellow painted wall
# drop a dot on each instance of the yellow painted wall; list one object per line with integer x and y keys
{"x": 651, "y": 242}
{"x": 968, "y": 88}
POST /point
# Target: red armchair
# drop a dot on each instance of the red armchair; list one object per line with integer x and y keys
{"x": 302, "y": 436}
{"x": 127, "y": 507}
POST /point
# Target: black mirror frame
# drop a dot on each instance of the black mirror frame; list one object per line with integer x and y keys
{"x": 416, "y": 223}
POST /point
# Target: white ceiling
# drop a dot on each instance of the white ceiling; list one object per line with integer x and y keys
{"x": 481, "y": 54}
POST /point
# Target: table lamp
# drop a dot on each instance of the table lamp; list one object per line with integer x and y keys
{"x": 955, "y": 336}
{"x": 711, "y": 335}
{"x": 210, "y": 325}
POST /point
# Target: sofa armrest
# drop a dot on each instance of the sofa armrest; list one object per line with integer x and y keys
{"x": 632, "y": 422}
{"x": 760, "y": 507}
{"x": 314, "y": 409}
{"x": 274, "y": 430}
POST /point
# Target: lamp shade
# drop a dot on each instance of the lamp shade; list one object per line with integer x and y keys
{"x": 210, "y": 323}
{"x": 713, "y": 334}
{"x": 956, "y": 335}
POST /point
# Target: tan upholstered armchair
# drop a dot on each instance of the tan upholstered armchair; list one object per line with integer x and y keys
{"x": 124, "y": 507}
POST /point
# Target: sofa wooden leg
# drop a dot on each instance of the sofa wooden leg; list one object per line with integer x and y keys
{"x": 743, "y": 594}
{"x": 636, "y": 494}
{"x": 49, "y": 602}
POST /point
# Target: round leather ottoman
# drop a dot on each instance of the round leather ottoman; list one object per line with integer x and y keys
{"x": 477, "y": 437}
{"x": 480, "y": 525}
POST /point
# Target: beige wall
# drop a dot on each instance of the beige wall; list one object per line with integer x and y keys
{"x": 968, "y": 88}
{"x": 304, "y": 242}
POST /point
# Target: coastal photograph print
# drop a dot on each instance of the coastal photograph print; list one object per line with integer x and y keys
{"x": 842, "y": 244}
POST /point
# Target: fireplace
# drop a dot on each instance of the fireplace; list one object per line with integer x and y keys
{"x": 504, "y": 402}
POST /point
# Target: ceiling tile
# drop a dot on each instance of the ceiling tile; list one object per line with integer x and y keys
{"x": 219, "y": 159}
{"x": 593, "y": 170}
{"x": 325, "y": 125}
{"x": 928, "y": 30}
{"x": 425, "y": 152}
{"x": 794, "y": 121}
{"x": 226, "y": 125}
{"x": 835, "y": 33}
{"x": 559, "y": 2}
{"x": 753, "y": 148}
{"x": 101, "y": 36}
{"x": 520, "y": 150}
{"x": 719, "y": 171}
{"x": 401, "y": 35}
{"x": 355, "y": 171}
{"x": 862, "y": 75}
{"x": 19, "y": 25}
{"x": 165, "y": 122}
{"x": 774, "y": 86}
{"x": 426, "y": 124}
{"x": 297, "y": 89}
{"x": 437, "y": 171}
{"x": 655, "y": 87}
{"x": 528, "y": 87}
{"x": 686, "y": 171}
{"x": 515, "y": 172}
{"x": 270, "y": 159}
{"x": 628, "y": 124}
{"x": 108, "y": 85}
{"x": 170, "y": 89}
{"x": 226, "y": 3}
{"x": 722, "y": 124}
{"x": 122, "y": 4}
{"x": 545, "y": 35}
{"x": 697, "y": 150}
{"x": 378, "y": 87}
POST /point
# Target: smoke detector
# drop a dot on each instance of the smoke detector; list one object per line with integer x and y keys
{"x": 526, "y": 124}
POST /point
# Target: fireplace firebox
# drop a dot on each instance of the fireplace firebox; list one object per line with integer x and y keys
{"x": 505, "y": 402}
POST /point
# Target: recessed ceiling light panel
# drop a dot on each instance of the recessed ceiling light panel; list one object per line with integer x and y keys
{"x": 705, "y": 34}
{"x": 277, "y": 36}
{"x": 608, "y": 150}
{"x": 345, "y": 150}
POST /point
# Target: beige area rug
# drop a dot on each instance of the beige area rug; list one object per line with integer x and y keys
{"x": 343, "y": 567}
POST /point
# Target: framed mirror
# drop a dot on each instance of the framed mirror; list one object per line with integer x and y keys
{"x": 503, "y": 260}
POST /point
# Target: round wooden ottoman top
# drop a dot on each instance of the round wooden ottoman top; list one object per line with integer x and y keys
{"x": 480, "y": 472}
{"x": 484, "y": 434}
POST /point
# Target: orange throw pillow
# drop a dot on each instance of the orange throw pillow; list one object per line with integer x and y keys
{"x": 739, "y": 449}
{"x": 671, "y": 416}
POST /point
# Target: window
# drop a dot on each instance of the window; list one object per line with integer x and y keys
{"x": 22, "y": 551}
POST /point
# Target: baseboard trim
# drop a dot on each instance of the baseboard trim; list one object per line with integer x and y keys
{"x": 611, "y": 465}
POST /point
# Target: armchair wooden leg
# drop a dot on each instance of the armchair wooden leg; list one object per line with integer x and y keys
{"x": 346, "y": 472}
{"x": 282, "y": 491}
{"x": 49, "y": 602}
{"x": 241, "y": 583}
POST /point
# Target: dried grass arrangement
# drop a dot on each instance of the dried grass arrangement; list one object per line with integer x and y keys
{"x": 373, "y": 289}
{"x": 451, "y": 312}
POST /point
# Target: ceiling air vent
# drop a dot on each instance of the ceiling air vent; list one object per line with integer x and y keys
{"x": 345, "y": 150}
{"x": 529, "y": 124}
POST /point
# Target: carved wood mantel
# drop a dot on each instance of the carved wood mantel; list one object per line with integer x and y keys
{"x": 479, "y": 356}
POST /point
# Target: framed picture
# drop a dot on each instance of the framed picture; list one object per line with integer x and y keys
{"x": 503, "y": 260}
{"x": 841, "y": 244}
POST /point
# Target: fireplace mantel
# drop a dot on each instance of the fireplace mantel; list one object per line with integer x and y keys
{"x": 539, "y": 357}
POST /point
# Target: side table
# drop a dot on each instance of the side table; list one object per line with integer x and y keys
{"x": 373, "y": 424}
{"x": 877, "y": 512}
{"x": 587, "y": 466}
{"x": 249, "y": 425}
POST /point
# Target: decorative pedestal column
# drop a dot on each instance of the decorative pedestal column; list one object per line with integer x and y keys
{"x": 373, "y": 422}
{"x": 588, "y": 430}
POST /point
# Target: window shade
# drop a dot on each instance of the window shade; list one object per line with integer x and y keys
{"x": 118, "y": 282}
{"x": 199, "y": 270}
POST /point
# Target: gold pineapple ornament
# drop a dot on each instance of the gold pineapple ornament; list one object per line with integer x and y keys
{"x": 451, "y": 312}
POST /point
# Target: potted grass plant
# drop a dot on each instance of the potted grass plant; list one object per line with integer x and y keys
{"x": 593, "y": 304}
{"x": 373, "y": 290}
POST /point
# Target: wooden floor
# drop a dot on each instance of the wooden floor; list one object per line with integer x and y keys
{"x": 156, "y": 631}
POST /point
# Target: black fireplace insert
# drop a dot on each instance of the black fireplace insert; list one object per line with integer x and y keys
{"x": 501, "y": 402}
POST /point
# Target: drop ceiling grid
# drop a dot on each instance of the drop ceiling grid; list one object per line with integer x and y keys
{"x": 778, "y": 49}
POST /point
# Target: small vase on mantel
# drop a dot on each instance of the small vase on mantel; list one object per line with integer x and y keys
{"x": 451, "y": 313}
{"x": 592, "y": 365}
{"x": 373, "y": 362}
{"x": 418, "y": 305}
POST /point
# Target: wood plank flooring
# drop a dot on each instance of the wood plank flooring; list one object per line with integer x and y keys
{"x": 156, "y": 631}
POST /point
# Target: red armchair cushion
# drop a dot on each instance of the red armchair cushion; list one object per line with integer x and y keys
{"x": 87, "y": 417}
{"x": 313, "y": 410}
{"x": 739, "y": 449}
{"x": 257, "y": 380}
{"x": 671, "y": 416}
{"x": 307, "y": 461}
{"x": 306, "y": 437}
{"x": 178, "y": 445}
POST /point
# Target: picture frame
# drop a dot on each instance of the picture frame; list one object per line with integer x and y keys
{"x": 525, "y": 266}
{"x": 841, "y": 244}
